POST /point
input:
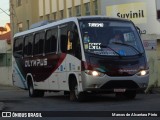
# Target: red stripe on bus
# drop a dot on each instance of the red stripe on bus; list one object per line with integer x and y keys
{"x": 61, "y": 59}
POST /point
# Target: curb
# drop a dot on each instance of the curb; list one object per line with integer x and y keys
{"x": 2, "y": 106}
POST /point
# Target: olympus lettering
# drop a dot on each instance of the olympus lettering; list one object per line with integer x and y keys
{"x": 36, "y": 63}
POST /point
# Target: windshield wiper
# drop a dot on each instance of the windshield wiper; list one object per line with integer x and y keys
{"x": 139, "y": 53}
{"x": 106, "y": 46}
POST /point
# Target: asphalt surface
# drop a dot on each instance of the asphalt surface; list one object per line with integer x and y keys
{"x": 3, "y": 87}
{"x": 4, "y": 105}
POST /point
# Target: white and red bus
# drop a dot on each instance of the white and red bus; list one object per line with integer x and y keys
{"x": 77, "y": 55}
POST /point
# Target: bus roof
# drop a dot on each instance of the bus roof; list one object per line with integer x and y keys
{"x": 66, "y": 20}
{"x": 101, "y": 17}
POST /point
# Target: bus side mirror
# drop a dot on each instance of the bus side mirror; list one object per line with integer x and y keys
{"x": 139, "y": 30}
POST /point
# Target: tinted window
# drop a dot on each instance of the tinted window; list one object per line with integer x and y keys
{"x": 63, "y": 38}
{"x": 18, "y": 44}
{"x": 73, "y": 46}
{"x": 51, "y": 41}
{"x": 28, "y": 47}
{"x": 110, "y": 38}
{"x": 38, "y": 43}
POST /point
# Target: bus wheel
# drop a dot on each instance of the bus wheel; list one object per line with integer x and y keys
{"x": 130, "y": 94}
{"x": 34, "y": 93}
{"x": 75, "y": 95}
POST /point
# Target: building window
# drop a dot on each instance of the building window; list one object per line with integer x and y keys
{"x": 87, "y": 8}
{"x": 48, "y": 17}
{"x": 54, "y": 16}
{"x": 20, "y": 27}
{"x": 78, "y": 10}
{"x": 5, "y": 59}
{"x": 70, "y": 12}
{"x": 61, "y": 14}
{"x": 41, "y": 18}
{"x": 28, "y": 24}
{"x": 19, "y": 3}
{"x": 95, "y": 3}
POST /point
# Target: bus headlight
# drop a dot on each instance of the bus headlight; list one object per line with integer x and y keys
{"x": 143, "y": 72}
{"x": 94, "y": 73}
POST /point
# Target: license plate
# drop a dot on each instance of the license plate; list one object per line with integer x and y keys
{"x": 119, "y": 90}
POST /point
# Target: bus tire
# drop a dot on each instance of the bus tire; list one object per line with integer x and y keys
{"x": 130, "y": 94}
{"x": 33, "y": 92}
{"x": 76, "y": 96}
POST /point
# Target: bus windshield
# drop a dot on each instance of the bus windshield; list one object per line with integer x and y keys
{"x": 110, "y": 38}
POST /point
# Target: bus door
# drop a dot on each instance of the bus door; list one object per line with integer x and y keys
{"x": 52, "y": 57}
{"x": 62, "y": 75}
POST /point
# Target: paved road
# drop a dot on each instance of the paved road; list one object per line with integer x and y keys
{"x": 18, "y": 100}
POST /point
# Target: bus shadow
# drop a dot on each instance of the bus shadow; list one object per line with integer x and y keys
{"x": 96, "y": 98}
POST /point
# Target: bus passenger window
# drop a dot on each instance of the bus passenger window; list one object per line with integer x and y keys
{"x": 38, "y": 43}
{"x": 18, "y": 46}
{"x": 28, "y": 46}
{"x": 51, "y": 41}
{"x": 64, "y": 39}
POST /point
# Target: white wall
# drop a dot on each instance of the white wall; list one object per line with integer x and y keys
{"x": 5, "y": 71}
{"x": 5, "y": 75}
{"x": 151, "y": 25}
{"x": 153, "y": 57}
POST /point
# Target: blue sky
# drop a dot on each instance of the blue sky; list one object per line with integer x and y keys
{"x": 4, "y": 4}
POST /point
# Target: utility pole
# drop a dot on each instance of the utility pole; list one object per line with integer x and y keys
{"x": 12, "y": 17}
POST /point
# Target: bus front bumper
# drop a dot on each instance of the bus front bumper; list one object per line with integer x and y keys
{"x": 114, "y": 84}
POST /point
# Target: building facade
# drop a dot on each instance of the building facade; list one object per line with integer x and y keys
{"x": 144, "y": 13}
{"x": 24, "y": 13}
{"x": 5, "y": 55}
